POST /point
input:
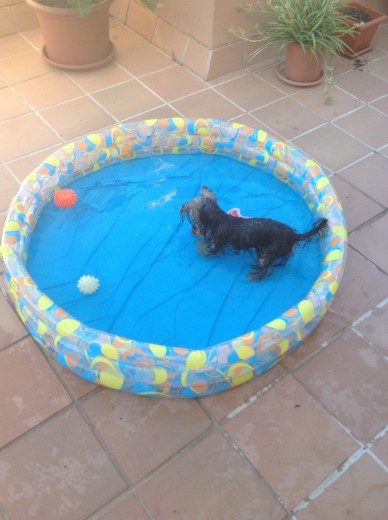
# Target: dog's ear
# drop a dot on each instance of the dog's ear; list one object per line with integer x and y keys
{"x": 208, "y": 193}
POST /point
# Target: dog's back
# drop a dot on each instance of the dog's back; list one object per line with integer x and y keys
{"x": 242, "y": 234}
{"x": 272, "y": 241}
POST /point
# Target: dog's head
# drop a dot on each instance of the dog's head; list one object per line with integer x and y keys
{"x": 191, "y": 209}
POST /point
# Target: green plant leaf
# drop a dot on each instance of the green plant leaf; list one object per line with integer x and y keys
{"x": 81, "y": 7}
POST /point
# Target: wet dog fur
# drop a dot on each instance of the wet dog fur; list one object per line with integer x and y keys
{"x": 272, "y": 242}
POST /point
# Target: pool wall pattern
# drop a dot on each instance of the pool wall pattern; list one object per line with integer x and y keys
{"x": 167, "y": 370}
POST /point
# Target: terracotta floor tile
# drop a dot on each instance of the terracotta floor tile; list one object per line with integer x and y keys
{"x": 25, "y": 165}
{"x": 269, "y": 76}
{"x": 331, "y": 147}
{"x": 9, "y": 187}
{"x": 288, "y": 118}
{"x": 109, "y": 75}
{"x": 11, "y": 328}
{"x": 127, "y": 99}
{"x": 382, "y": 105}
{"x": 48, "y": 90}
{"x": 249, "y": 92}
{"x": 384, "y": 151}
{"x": 127, "y": 508}
{"x": 376, "y": 53}
{"x": 327, "y": 328}
{"x": 362, "y": 85}
{"x": 173, "y": 83}
{"x": 358, "y": 208}
{"x": 34, "y": 36}
{"x": 59, "y": 471}
{"x": 15, "y": 130}
{"x": 206, "y": 104}
{"x": 2, "y": 221}
{"x": 370, "y": 175}
{"x": 11, "y": 105}
{"x": 249, "y": 120}
{"x": 313, "y": 98}
{"x": 372, "y": 241}
{"x": 132, "y": 427}
{"x": 24, "y": 66}
{"x": 31, "y": 391}
{"x": 340, "y": 65}
{"x": 162, "y": 112}
{"x": 291, "y": 440}
{"x": 349, "y": 377}
{"x": 225, "y": 402}
{"x": 359, "y": 494}
{"x": 224, "y": 78}
{"x": 380, "y": 68}
{"x": 13, "y": 44}
{"x": 143, "y": 60}
{"x": 124, "y": 38}
{"x": 381, "y": 38}
{"x": 78, "y": 386}
{"x": 367, "y": 124}
{"x": 209, "y": 481}
{"x": 380, "y": 449}
{"x": 363, "y": 286}
{"x": 375, "y": 328}
{"x": 77, "y": 117}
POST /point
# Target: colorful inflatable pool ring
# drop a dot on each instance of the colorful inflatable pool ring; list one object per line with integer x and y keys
{"x": 163, "y": 370}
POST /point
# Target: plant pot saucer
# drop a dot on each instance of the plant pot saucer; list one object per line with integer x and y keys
{"x": 280, "y": 73}
{"x": 86, "y": 66}
{"x": 351, "y": 55}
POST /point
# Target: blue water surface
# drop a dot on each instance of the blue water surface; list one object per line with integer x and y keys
{"x": 154, "y": 285}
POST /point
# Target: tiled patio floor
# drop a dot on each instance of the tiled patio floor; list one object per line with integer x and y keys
{"x": 306, "y": 440}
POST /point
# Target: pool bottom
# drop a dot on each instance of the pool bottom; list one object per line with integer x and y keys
{"x": 154, "y": 286}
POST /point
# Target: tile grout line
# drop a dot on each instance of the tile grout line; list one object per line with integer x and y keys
{"x": 20, "y": 438}
{"x": 108, "y": 505}
{"x": 353, "y": 248}
{"x": 366, "y": 315}
{"x": 330, "y": 413}
{"x": 219, "y": 426}
{"x": 368, "y": 222}
{"x": 356, "y": 161}
{"x": 33, "y": 111}
{"x": 253, "y": 398}
{"x": 288, "y": 371}
{"x": 369, "y": 342}
{"x": 336, "y": 474}
{"x": 97, "y": 436}
{"x": 323, "y": 486}
{"x": 255, "y": 471}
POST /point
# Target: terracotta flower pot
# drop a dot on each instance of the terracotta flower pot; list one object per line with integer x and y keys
{"x": 301, "y": 68}
{"x": 361, "y": 41}
{"x": 72, "y": 42}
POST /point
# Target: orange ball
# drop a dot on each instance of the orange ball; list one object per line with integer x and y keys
{"x": 65, "y": 198}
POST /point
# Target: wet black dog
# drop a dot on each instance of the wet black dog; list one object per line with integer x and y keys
{"x": 271, "y": 241}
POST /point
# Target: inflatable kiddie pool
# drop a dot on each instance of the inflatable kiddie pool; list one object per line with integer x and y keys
{"x": 142, "y": 367}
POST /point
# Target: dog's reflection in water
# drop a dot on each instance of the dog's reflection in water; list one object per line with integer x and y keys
{"x": 271, "y": 241}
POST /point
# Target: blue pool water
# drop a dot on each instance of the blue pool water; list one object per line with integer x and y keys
{"x": 154, "y": 286}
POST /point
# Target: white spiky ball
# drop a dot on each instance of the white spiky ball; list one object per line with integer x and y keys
{"x": 88, "y": 284}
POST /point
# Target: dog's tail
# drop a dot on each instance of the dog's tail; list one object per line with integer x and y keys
{"x": 320, "y": 228}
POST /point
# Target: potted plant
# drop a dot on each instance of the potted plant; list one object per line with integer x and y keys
{"x": 309, "y": 30}
{"x": 366, "y": 21}
{"x": 75, "y": 32}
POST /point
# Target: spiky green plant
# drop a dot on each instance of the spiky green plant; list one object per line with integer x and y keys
{"x": 80, "y": 7}
{"x": 314, "y": 24}
{"x": 317, "y": 25}
{"x": 83, "y": 7}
